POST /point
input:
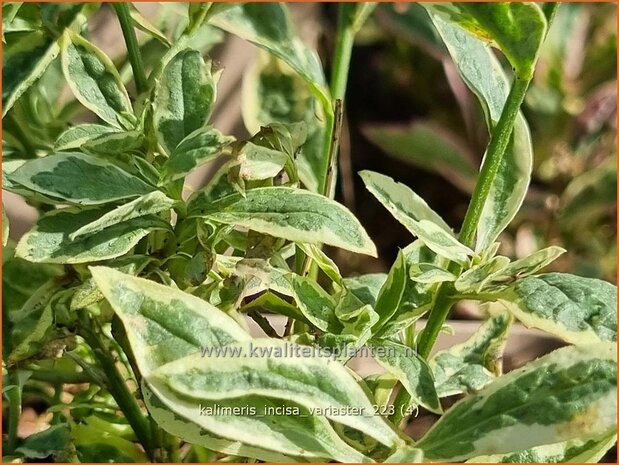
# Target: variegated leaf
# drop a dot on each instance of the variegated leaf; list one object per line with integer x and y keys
{"x": 49, "y": 242}
{"x": 184, "y": 98}
{"x": 268, "y": 26}
{"x": 468, "y": 367}
{"x": 428, "y": 273}
{"x": 165, "y": 325}
{"x": 400, "y": 200}
{"x": 518, "y": 29}
{"x": 94, "y": 80}
{"x": 23, "y": 63}
{"x": 114, "y": 144}
{"x": 413, "y": 212}
{"x": 271, "y": 368}
{"x": 197, "y": 148}
{"x": 570, "y": 393}
{"x": 76, "y": 136}
{"x": 578, "y": 310}
{"x": 574, "y": 451}
{"x": 526, "y": 266}
{"x": 5, "y": 226}
{"x": 315, "y": 304}
{"x": 411, "y": 370}
{"x": 148, "y": 204}
{"x": 194, "y": 434}
{"x": 79, "y": 179}
{"x": 293, "y": 214}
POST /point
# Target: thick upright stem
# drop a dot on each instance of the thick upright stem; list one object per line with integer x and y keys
{"x": 494, "y": 155}
{"x": 343, "y": 51}
{"x": 339, "y": 78}
{"x": 133, "y": 49}
{"x": 496, "y": 149}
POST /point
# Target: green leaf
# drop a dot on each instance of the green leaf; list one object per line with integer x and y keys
{"x": 568, "y": 394}
{"x": 274, "y": 93}
{"x": 197, "y": 148}
{"x": 404, "y": 204}
{"x": 255, "y": 163}
{"x": 148, "y": 204}
{"x": 322, "y": 260}
{"x": 88, "y": 293}
{"x": 144, "y": 25}
{"x": 366, "y": 287}
{"x": 116, "y": 143}
{"x": 311, "y": 381}
{"x": 94, "y": 80}
{"x": 218, "y": 187}
{"x": 428, "y": 147}
{"x": 574, "y": 451}
{"x": 292, "y": 214}
{"x": 94, "y": 445}
{"x": 475, "y": 279}
{"x": 315, "y": 304}
{"x": 268, "y": 26}
{"x": 5, "y": 226}
{"x": 428, "y": 273}
{"x": 526, "y": 266}
{"x": 164, "y": 325}
{"x": 390, "y": 295}
{"x": 413, "y": 212}
{"x": 23, "y": 63}
{"x": 483, "y": 74}
{"x": 20, "y": 279}
{"x": 411, "y": 370}
{"x": 49, "y": 242}
{"x": 405, "y": 454}
{"x": 517, "y": 29}
{"x": 578, "y": 310}
{"x": 79, "y": 179}
{"x": 194, "y": 434}
{"x": 47, "y": 443}
{"x": 468, "y": 367}
{"x": 32, "y": 325}
{"x": 184, "y": 98}
{"x": 74, "y": 137}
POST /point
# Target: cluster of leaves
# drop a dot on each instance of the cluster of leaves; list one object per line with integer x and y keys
{"x": 142, "y": 293}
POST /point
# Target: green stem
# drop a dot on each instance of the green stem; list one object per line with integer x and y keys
{"x": 496, "y": 149}
{"x": 119, "y": 390}
{"x": 14, "y": 399}
{"x": 339, "y": 78}
{"x": 343, "y": 51}
{"x": 490, "y": 167}
{"x": 135, "y": 57}
{"x": 58, "y": 377}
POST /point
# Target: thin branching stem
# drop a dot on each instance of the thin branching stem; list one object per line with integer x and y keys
{"x": 123, "y": 13}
